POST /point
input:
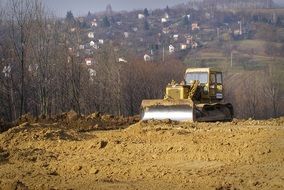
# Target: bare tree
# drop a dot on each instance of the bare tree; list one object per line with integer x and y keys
{"x": 20, "y": 14}
{"x": 272, "y": 84}
{"x": 252, "y": 95}
{"x": 42, "y": 64}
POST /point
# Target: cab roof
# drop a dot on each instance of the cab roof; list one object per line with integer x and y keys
{"x": 189, "y": 70}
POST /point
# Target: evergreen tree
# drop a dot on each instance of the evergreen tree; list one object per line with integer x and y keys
{"x": 146, "y": 25}
{"x": 70, "y": 17}
{"x": 146, "y": 12}
{"x": 106, "y": 22}
{"x": 89, "y": 16}
{"x": 167, "y": 9}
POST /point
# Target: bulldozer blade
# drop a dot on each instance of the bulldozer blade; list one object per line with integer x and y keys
{"x": 172, "y": 112}
{"x": 162, "y": 109}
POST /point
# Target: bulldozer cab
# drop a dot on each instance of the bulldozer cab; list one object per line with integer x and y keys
{"x": 210, "y": 82}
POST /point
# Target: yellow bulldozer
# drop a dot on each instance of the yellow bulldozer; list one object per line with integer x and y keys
{"x": 198, "y": 98}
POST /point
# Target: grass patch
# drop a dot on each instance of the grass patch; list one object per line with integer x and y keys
{"x": 248, "y": 45}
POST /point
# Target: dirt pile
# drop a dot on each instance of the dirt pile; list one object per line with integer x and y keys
{"x": 72, "y": 120}
{"x": 62, "y": 154}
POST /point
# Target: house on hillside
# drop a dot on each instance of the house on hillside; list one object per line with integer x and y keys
{"x": 126, "y": 34}
{"x": 237, "y": 32}
{"x": 141, "y": 16}
{"x": 194, "y": 45}
{"x": 167, "y": 16}
{"x": 91, "y": 35}
{"x": 94, "y": 24}
{"x": 96, "y": 46}
{"x": 183, "y": 46}
{"x": 122, "y": 60}
{"x": 194, "y": 26}
{"x": 72, "y": 29}
{"x": 171, "y": 49}
{"x": 92, "y": 43}
{"x": 175, "y": 37}
{"x": 164, "y": 20}
{"x": 147, "y": 58}
{"x": 81, "y": 47}
{"x": 101, "y": 41}
{"x": 89, "y": 61}
{"x": 188, "y": 39}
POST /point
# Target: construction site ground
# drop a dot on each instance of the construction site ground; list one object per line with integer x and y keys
{"x": 105, "y": 152}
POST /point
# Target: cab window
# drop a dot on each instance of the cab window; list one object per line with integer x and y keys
{"x": 212, "y": 79}
{"x": 202, "y": 77}
{"x": 219, "y": 78}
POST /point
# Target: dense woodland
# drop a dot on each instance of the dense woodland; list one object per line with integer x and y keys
{"x": 42, "y": 74}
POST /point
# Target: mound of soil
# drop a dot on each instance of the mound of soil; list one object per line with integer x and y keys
{"x": 72, "y": 120}
{"x": 65, "y": 153}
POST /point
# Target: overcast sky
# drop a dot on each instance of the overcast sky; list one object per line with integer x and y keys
{"x": 81, "y": 7}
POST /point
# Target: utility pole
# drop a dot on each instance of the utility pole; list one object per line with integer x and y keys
{"x": 163, "y": 53}
{"x": 231, "y": 58}
{"x": 240, "y": 23}
{"x": 218, "y": 33}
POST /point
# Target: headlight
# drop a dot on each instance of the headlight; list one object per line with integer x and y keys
{"x": 219, "y": 87}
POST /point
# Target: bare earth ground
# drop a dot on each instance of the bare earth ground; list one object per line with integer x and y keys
{"x": 147, "y": 155}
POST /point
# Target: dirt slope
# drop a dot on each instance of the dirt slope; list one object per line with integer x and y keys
{"x": 153, "y": 155}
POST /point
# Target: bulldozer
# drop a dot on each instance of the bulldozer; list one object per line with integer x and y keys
{"x": 199, "y": 97}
